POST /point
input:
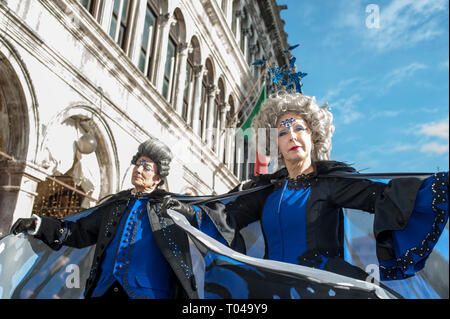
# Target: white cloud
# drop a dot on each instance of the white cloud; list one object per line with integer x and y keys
{"x": 402, "y": 74}
{"x": 443, "y": 65}
{"x": 339, "y": 88}
{"x": 384, "y": 114}
{"x": 347, "y": 109}
{"x": 434, "y": 147}
{"x": 439, "y": 129}
{"x": 404, "y": 23}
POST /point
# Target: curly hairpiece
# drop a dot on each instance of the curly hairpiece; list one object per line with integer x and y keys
{"x": 159, "y": 153}
{"x": 318, "y": 119}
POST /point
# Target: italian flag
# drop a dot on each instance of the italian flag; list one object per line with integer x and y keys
{"x": 261, "y": 161}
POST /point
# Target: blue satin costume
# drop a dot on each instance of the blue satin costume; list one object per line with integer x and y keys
{"x": 284, "y": 223}
{"x": 133, "y": 258}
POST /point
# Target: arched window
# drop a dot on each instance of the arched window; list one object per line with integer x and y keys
{"x": 207, "y": 83}
{"x": 203, "y": 107}
{"x": 170, "y": 67}
{"x": 234, "y": 17}
{"x": 244, "y": 30}
{"x": 4, "y": 122}
{"x": 218, "y": 125}
{"x": 250, "y": 46}
{"x": 188, "y": 86}
{"x": 194, "y": 58}
{"x": 120, "y": 22}
{"x": 176, "y": 37}
{"x": 148, "y": 43}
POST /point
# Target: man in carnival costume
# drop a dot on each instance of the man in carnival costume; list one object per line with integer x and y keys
{"x": 138, "y": 253}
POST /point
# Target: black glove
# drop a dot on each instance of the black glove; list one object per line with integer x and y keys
{"x": 171, "y": 203}
{"x": 23, "y": 225}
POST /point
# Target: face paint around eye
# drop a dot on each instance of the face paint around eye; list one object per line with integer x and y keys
{"x": 282, "y": 133}
{"x": 300, "y": 127}
{"x": 145, "y": 165}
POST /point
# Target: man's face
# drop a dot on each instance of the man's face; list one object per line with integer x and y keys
{"x": 145, "y": 174}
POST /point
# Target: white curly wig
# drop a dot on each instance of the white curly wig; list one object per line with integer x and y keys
{"x": 319, "y": 120}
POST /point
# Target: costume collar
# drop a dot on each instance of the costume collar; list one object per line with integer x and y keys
{"x": 320, "y": 168}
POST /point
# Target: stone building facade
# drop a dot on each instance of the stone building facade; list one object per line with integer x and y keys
{"x": 109, "y": 74}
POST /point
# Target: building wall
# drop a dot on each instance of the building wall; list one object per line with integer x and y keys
{"x": 65, "y": 73}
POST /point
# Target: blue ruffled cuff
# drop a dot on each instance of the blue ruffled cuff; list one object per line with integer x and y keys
{"x": 413, "y": 244}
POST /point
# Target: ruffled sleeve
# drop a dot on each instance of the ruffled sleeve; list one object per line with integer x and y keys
{"x": 402, "y": 252}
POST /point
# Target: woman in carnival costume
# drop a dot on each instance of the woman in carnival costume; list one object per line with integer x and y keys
{"x": 300, "y": 207}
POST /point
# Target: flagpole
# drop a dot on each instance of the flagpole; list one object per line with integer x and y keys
{"x": 251, "y": 91}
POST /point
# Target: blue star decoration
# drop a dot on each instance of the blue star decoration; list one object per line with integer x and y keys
{"x": 286, "y": 75}
{"x": 288, "y": 122}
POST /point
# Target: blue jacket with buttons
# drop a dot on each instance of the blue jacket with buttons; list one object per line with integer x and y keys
{"x": 103, "y": 226}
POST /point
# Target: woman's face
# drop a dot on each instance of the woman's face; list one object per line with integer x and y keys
{"x": 294, "y": 138}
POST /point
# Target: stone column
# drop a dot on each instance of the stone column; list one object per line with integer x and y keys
{"x": 230, "y": 149}
{"x": 18, "y": 183}
{"x": 238, "y": 14}
{"x": 221, "y": 145}
{"x": 135, "y": 49}
{"x": 106, "y": 15}
{"x": 252, "y": 58}
{"x": 245, "y": 52}
{"x": 183, "y": 51}
{"x": 164, "y": 23}
{"x": 229, "y": 11}
{"x": 212, "y": 89}
{"x": 198, "y": 75}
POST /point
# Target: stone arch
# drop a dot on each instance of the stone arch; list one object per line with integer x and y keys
{"x": 84, "y": 118}
{"x": 195, "y": 55}
{"x": 19, "y": 137}
{"x": 222, "y": 88}
{"x": 210, "y": 75}
{"x": 180, "y": 26}
{"x": 19, "y": 106}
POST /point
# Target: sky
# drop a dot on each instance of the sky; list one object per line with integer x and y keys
{"x": 383, "y": 68}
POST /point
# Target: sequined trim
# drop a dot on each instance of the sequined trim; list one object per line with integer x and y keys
{"x": 301, "y": 181}
{"x": 175, "y": 250}
{"x": 315, "y": 259}
{"x": 404, "y": 266}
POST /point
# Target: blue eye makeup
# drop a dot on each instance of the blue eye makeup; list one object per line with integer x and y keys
{"x": 299, "y": 127}
{"x": 145, "y": 165}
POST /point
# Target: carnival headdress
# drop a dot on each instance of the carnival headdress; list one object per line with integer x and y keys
{"x": 287, "y": 75}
